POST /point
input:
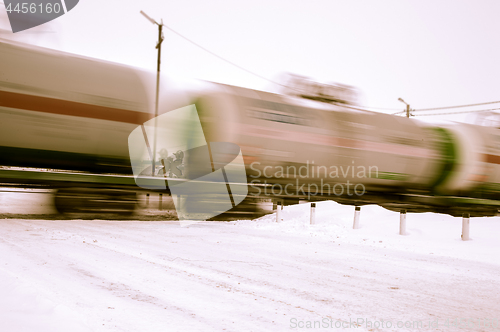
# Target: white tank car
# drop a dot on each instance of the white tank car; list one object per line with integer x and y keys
{"x": 285, "y": 139}
{"x": 66, "y": 111}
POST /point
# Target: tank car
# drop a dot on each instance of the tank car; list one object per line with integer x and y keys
{"x": 280, "y": 135}
{"x": 67, "y": 112}
{"x": 297, "y": 149}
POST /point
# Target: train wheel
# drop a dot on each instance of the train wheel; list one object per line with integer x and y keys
{"x": 95, "y": 200}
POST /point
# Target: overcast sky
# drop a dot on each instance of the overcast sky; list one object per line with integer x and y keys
{"x": 430, "y": 53}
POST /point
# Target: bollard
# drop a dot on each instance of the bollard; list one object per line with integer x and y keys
{"x": 465, "y": 226}
{"x": 161, "y": 202}
{"x": 357, "y": 211}
{"x": 278, "y": 211}
{"x": 313, "y": 213}
{"x": 402, "y": 222}
{"x": 147, "y": 199}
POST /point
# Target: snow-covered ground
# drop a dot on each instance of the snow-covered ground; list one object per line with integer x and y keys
{"x": 98, "y": 275}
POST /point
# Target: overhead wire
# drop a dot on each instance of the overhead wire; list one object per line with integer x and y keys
{"x": 356, "y": 108}
{"x": 253, "y": 73}
{"x": 451, "y": 107}
{"x": 366, "y": 108}
{"x": 459, "y": 106}
{"x": 382, "y": 108}
{"x": 459, "y": 112}
{"x": 225, "y": 60}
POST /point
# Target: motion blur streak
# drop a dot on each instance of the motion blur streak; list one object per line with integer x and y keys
{"x": 66, "y": 112}
{"x": 65, "y": 107}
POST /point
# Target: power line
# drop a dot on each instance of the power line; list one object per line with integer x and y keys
{"x": 225, "y": 60}
{"x": 450, "y": 107}
{"x": 253, "y": 73}
{"x": 399, "y": 112}
{"x": 459, "y": 106}
{"x": 384, "y": 108}
{"x": 476, "y": 111}
{"x": 354, "y": 108}
{"x": 289, "y": 87}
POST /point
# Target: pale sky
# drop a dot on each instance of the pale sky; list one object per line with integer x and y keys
{"x": 430, "y": 53}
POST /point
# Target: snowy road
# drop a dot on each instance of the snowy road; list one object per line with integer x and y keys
{"x": 95, "y": 275}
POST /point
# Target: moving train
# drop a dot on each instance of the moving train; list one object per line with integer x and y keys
{"x": 73, "y": 115}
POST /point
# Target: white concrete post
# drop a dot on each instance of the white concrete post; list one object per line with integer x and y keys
{"x": 402, "y": 222}
{"x": 465, "y": 226}
{"x": 357, "y": 210}
{"x": 278, "y": 211}
{"x": 313, "y": 213}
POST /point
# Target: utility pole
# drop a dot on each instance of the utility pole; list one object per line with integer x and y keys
{"x": 158, "y": 47}
{"x": 407, "y": 107}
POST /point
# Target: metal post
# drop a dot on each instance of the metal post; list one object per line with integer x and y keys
{"x": 147, "y": 199}
{"x": 357, "y": 210}
{"x": 402, "y": 222}
{"x": 161, "y": 201}
{"x": 465, "y": 226}
{"x": 313, "y": 213}
{"x": 278, "y": 211}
